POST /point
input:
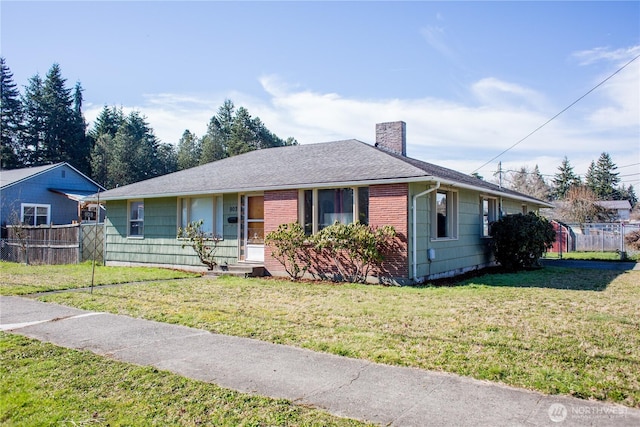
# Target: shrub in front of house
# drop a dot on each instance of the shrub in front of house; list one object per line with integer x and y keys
{"x": 520, "y": 240}
{"x": 353, "y": 249}
{"x": 339, "y": 252}
{"x": 288, "y": 243}
{"x": 204, "y": 245}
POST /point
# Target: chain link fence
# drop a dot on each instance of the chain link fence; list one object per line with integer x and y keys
{"x": 596, "y": 237}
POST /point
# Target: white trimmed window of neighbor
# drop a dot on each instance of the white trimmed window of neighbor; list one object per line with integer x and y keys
{"x": 209, "y": 209}
{"x": 321, "y": 207}
{"x": 136, "y": 219}
{"x": 488, "y": 213}
{"x": 444, "y": 216}
{"x": 34, "y": 214}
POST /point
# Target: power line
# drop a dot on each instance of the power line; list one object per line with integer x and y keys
{"x": 628, "y": 166}
{"x": 554, "y": 117}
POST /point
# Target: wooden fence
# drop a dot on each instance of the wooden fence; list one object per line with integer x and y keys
{"x": 55, "y": 244}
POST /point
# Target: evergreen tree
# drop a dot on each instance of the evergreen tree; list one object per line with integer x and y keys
{"x": 166, "y": 159}
{"x": 103, "y": 136}
{"x": 627, "y": 193}
{"x": 11, "y": 120}
{"x": 58, "y": 109}
{"x": 35, "y": 122}
{"x": 108, "y": 122}
{"x": 233, "y": 132}
{"x": 189, "y": 150}
{"x": 130, "y": 155}
{"x": 564, "y": 179}
{"x": 55, "y": 128}
{"x": 101, "y": 157}
{"x": 589, "y": 178}
{"x": 80, "y": 148}
{"x": 602, "y": 178}
{"x": 214, "y": 143}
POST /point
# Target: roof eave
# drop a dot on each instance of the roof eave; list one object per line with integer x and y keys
{"x": 399, "y": 180}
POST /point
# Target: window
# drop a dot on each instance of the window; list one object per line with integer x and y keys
{"x": 323, "y": 207}
{"x": 136, "y": 218}
{"x": 208, "y": 209}
{"x": 444, "y": 218}
{"x": 255, "y": 220}
{"x": 32, "y": 214}
{"x": 489, "y": 214}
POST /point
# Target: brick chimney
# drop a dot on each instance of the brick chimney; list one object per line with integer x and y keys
{"x": 392, "y": 136}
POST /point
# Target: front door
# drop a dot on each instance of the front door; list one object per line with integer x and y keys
{"x": 254, "y": 228}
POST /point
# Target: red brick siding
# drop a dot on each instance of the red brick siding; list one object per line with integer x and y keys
{"x": 388, "y": 205}
{"x": 280, "y": 207}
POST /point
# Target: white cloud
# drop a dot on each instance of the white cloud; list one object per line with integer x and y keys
{"x": 622, "y": 91}
{"x": 435, "y": 36}
{"x": 590, "y": 56}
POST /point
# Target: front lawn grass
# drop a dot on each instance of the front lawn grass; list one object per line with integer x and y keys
{"x": 45, "y": 385}
{"x": 555, "y": 330}
{"x": 20, "y": 279}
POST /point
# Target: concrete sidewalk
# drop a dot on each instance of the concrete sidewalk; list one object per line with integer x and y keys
{"x": 381, "y": 394}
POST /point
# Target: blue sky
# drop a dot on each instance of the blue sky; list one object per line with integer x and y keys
{"x": 470, "y": 79}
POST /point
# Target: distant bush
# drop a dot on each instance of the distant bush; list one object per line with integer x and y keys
{"x": 520, "y": 240}
{"x": 632, "y": 240}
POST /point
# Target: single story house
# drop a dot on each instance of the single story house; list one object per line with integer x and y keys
{"x": 441, "y": 216}
{"x": 621, "y": 208}
{"x": 46, "y": 195}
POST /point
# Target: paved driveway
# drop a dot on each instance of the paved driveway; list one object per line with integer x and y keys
{"x": 592, "y": 265}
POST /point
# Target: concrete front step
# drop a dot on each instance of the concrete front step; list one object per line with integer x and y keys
{"x": 240, "y": 270}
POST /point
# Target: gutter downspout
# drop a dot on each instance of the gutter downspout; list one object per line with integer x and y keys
{"x": 415, "y": 228}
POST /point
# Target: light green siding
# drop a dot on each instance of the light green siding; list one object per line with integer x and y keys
{"x": 453, "y": 256}
{"x": 160, "y": 244}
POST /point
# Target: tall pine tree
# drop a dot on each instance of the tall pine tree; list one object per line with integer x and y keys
{"x": 188, "y": 151}
{"x": 564, "y": 179}
{"x": 34, "y": 122}
{"x": 11, "y": 120}
{"x": 126, "y": 150}
{"x": 55, "y": 128}
{"x": 232, "y": 132}
{"x": 602, "y": 179}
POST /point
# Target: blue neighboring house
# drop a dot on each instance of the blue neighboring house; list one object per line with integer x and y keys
{"x": 46, "y": 195}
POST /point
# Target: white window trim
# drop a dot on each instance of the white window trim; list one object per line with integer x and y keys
{"x": 452, "y": 219}
{"x": 129, "y": 220}
{"x": 35, "y": 206}
{"x": 492, "y": 214}
{"x": 217, "y": 214}
{"x": 314, "y": 206}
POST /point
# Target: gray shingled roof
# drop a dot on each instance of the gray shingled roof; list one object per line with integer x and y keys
{"x": 615, "y": 204}
{"x": 300, "y": 166}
